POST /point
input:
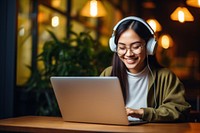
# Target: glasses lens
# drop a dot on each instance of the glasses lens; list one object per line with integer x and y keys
{"x": 135, "y": 48}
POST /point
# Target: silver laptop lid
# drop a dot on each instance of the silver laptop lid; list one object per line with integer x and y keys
{"x": 90, "y": 99}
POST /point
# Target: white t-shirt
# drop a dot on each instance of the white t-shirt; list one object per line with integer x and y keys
{"x": 137, "y": 91}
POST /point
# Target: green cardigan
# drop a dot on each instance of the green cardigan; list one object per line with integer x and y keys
{"x": 169, "y": 91}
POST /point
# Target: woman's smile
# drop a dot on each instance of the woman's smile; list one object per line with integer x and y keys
{"x": 131, "y": 60}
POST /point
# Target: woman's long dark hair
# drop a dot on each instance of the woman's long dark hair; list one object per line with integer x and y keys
{"x": 119, "y": 69}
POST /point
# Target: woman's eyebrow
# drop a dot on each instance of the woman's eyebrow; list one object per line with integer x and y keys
{"x": 121, "y": 43}
{"x": 130, "y": 43}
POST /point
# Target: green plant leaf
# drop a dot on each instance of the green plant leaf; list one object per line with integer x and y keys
{"x": 79, "y": 55}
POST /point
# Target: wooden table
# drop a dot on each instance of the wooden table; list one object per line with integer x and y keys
{"x": 56, "y": 124}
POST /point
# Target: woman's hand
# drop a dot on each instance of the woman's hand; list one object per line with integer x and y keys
{"x": 137, "y": 113}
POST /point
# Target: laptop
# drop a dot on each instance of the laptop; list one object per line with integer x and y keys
{"x": 91, "y": 100}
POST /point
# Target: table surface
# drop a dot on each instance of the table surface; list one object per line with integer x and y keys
{"x": 56, "y": 124}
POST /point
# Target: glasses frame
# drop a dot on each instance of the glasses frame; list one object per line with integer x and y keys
{"x": 131, "y": 49}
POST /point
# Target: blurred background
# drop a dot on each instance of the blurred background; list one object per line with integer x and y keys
{"x": 42, "y": 38}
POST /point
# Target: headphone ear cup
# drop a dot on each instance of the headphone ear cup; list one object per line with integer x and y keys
{"x": 151, "y": 46}
{"x": 112, "y": 44}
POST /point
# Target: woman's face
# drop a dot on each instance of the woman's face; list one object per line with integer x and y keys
{"x": 131, "y": 50}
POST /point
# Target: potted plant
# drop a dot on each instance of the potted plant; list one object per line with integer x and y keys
{"x": 80, "y": 55}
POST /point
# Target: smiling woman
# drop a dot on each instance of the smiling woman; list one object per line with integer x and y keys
{"x": 151, "y": 92}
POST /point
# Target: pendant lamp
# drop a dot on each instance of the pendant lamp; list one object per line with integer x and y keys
{"x": 93, "y": 8}
{"x": 155, "y": 25}
{"x": 182, "y": 15}
{"x": 194, "y": 3}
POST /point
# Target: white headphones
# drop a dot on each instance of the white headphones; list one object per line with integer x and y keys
{"x": 151, "y": 44}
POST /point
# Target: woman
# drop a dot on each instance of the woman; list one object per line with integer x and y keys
{"x": 151, "y": 92}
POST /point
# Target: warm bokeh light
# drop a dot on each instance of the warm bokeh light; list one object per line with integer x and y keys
{"x": 194, "y": 3}
{"x": 165, "y": 41}
{"x": 182, "y": 15}
{"x": 93, "y": 8}
{"x": 55, "y": 3}
{"x": 155, "y": 25}
{"x": 21, "y": 31}
{"x": 55, "y": 21}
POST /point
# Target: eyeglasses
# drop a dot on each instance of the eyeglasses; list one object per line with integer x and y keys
{"x": 135, "y": 48}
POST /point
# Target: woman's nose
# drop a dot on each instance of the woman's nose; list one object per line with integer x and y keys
{"x": 129, "y": 52}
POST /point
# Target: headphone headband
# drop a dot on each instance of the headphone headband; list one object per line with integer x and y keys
{"x": 136, "y": 19}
